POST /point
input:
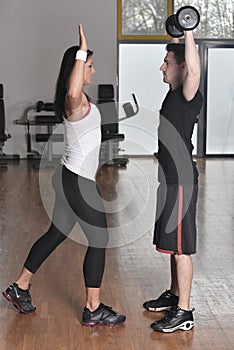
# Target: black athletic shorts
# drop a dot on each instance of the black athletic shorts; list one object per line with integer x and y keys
{"x": 175, "y": 227}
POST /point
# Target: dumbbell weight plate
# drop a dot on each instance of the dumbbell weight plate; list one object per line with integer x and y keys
{"x": 187, "y": 18}
{"x": 171, "y": 28}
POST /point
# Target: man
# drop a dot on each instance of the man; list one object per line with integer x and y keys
{"x": 175, "y": 228}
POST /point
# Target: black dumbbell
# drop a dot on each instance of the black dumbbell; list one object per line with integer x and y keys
{"x": 40, "y": 106}
{"x": 172, "y": 27}
{"x": 186, "y": 18}
{"x": 47, "y": 106}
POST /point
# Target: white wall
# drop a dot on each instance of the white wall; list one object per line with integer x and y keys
{"x": 220, "y": 111}
{"x": 34, "y": 35}
{"x": 140, "y": 74}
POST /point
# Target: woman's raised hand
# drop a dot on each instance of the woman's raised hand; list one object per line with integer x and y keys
{"x": 83, "y": 43}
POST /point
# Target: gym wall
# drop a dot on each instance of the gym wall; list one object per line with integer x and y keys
{"x": 144, "y": 79}
{"x": 34, "y": 35}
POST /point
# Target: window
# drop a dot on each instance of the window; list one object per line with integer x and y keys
{"x": 217, "y": 18}
{"x": 143, "y": 19}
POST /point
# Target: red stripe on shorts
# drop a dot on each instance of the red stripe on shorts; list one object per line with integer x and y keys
{"x": 165, "y": 251}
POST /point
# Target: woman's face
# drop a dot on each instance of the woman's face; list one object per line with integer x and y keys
{"x": 89, "y": 71}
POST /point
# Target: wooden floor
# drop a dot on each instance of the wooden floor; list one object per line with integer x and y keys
{"x": 134, "y": 271}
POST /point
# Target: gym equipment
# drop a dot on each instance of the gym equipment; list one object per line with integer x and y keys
{"x": 41, "y": 106}
{"x": 172, "y": 29}
{"x": 186, "y": 18}
{"x": 107, "y": 106}
{"x": 128, "y": 109}
{"x": 48, "y": 120}
{"x": 3, "y": 136}
{"x": 110, "y": 135}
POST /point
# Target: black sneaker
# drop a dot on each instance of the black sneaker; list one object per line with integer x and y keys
{"x": 166, "y": 301}
{"x": 103, "y": 315}
{"x": 20, "y": 298}
{"x": 175, "y": 319}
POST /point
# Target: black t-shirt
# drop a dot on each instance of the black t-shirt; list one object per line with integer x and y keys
{"x": 177, "y": 119}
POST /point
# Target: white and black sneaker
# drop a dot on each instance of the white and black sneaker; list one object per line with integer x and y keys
{"x": 20, "y": 298}
{"x": 164, "y": 302}
{"x": 176, "y": 319}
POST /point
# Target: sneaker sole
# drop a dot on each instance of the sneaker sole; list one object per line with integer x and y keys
{"x": 158, "y": 309}
{"x": 15, "y": 304}
{"x": 185, "y": 326}
{"x": 91, "y": 324}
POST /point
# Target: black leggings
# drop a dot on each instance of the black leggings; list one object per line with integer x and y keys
{"x": 77, "y": 200}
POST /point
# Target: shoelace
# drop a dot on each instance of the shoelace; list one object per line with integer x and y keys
{"x": 169, "y": 316}
{"x": 164, "y": 294}
{"x": 106, "y": 306}
{"x": 26, "y": 294}
{"x": 109, "y": 308}
{"x": 172, "y": 313}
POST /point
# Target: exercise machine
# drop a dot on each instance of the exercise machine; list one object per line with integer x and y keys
{"x": 3, "y": 135}
{"x": 111, "y": 137}
{"x": 49, "y": 120}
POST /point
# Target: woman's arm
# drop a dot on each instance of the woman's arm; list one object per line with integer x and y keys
{"x": 75, "y": 99}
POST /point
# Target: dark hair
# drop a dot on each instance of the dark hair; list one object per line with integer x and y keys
{"x": 179, "y": 51}
{"x": 67, "y": 64}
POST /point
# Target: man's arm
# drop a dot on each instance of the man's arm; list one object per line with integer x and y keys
{"x": 175, "y": 40}
{"x": 192, "y": 79}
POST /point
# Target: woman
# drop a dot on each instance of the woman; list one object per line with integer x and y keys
{"x": 77, "y": 198}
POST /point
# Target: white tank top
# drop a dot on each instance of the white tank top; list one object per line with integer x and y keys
{"x": 83, "y": 139}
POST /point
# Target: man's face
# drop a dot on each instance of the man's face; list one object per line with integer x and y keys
{"x": 172, "y": 71}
